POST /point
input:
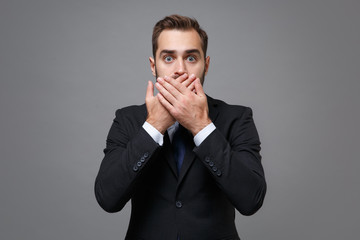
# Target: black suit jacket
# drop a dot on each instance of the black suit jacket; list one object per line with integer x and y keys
{"x": 223, "y": 173}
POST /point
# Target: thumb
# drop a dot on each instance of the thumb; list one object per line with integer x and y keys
{"x": 149, "y": 90}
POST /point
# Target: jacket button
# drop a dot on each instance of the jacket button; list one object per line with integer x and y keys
{"x": 146, "y": 154}
{"x": 139, "y": 164}
{"x": 218, "y": 173}
{"x": 211, "y": 164}
{"x": 142, "y": 159}
{"x": 135, "y": 168}
{"x": 178, "y": 204}
{"x": 214, "y": 169}
{"x": 207, "y": 159}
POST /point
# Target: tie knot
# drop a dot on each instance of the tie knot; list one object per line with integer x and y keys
{"x": 179, "y": 135}
{"x": 180, "y": 129}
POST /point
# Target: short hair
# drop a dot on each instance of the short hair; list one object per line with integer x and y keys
{"x": 181, "y": 23}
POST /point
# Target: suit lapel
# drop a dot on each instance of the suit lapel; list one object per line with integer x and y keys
{"x": 213, "y": 109}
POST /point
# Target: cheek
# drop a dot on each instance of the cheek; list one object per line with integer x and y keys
{"x": 164, "y": 69}
{"x": 198, "y": 70}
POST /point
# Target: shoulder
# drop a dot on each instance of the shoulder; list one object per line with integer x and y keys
{"x": 135, "y": 114}
{"x": 132, "y": 110}
{"x": 227, "y": 109}
{"x": 233, "y": 121}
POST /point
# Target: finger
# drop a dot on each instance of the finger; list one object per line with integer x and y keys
{"x": 181, "y": 78}
{"x": 164, "y": 102}
{"x": 191, "y": 87}
{"x": 171, "y": 86}
{"x": 174, "y": 87}
{"x": 149, "y": 90}
{"x": 198, "y": 88}
{"x": 164, "y": 92}
{"x": 189, "y": 80}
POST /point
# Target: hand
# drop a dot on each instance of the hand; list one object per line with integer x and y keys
{"x": 157, "y": 115}
{"x": 185, "y": 80}
{"x": 188, "y": 106}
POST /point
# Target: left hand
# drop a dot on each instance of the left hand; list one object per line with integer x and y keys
{"x": 188, "y": 107}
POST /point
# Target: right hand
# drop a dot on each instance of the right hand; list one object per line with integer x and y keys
{"x": 157, "y": 115}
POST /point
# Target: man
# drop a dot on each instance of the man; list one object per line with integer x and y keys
{"x": 184, "y": 159}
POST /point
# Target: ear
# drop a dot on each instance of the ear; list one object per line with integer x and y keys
{"x": 207, "y": 63}
{"x": 152, "y": 66}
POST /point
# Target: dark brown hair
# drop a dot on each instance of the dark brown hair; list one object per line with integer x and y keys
{"x": 180, "y": 23}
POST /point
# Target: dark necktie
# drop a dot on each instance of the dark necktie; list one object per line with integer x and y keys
{"x": 178, "y": 143}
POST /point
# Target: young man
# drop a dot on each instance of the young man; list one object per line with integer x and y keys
{"x": 184, "y": 159}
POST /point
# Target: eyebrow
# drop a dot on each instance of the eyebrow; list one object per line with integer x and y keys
{"x": 166, "y": 51}
{"x": 193, "y": 51}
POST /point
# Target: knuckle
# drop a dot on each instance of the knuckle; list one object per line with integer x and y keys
{"x": 174, "y": 113}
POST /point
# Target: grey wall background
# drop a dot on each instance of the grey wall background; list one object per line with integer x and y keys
{"x": 66, "y": 66}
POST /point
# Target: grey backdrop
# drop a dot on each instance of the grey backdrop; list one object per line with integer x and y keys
{"x": 66, "y": 66}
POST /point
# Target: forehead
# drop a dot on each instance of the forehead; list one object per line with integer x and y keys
{"x": 179, "y": 40}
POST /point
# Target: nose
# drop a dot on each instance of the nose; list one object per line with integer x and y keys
{"x": 180, "y": 68}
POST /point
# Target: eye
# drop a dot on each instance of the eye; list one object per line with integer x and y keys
{"x": 191, "y": 58}
{"x": 168, "y": 58}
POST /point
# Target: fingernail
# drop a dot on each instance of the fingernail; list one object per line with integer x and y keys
{"x": 192, "y": 75}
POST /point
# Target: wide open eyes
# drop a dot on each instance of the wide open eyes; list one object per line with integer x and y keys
{"x": 168, "y": 59}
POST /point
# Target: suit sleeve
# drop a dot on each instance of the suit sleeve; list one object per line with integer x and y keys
{"x": 235, "y": 163}
{"x": 129, "y": 149}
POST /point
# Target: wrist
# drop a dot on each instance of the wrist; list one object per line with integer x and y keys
{"x": 200, "y": 126}
{"x": 156, "y": 125}
{"x": 159, "y": 125}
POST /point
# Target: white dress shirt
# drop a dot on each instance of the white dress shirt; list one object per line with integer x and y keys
{"x": 159, "y": 138}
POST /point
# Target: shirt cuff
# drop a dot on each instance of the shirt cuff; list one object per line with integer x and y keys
{"x": 203, "y": 134}
{"x": 154, "y": 133}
